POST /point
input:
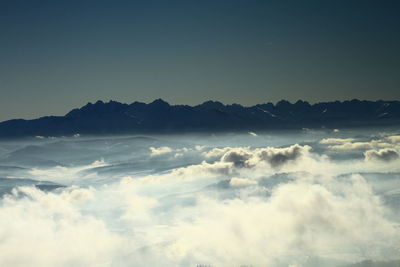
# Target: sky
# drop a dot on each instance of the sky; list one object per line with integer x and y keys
{"x": 59, "y": 55}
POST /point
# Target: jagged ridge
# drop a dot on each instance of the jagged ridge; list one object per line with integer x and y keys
{"x": 160, "y": 117}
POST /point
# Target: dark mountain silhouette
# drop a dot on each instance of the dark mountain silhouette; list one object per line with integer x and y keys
{"x": 161, "y": 117}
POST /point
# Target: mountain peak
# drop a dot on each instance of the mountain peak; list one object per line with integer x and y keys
{"x": 211, "y": 105}
{"x": 160, "y": 103}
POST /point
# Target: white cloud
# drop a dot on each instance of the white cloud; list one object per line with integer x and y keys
{"x": 247, "y": 157}
{"x": 127, "y": 223}
{"x": 352, "y": 144}
{"x": 237, "y": 156}
{"x": 277, "y": 157}
{"x": 274, "y": 157}
{"x": 215, "y": 152}
{"x": 240, "y": 182}
{"x": 199, "y": 148}
{"x": 63, "y": 174}
{"x": 178, "y": 155}
{"x": 257, "y": 162}
{"x": 374, "y": 144}
{"x": 160, "y": 150}
{"x": 173, "y": 218}
{"x": 301, "y": 219}
{"x": 331, "y": 141}
{"x": 47, "y": 230}
{"x": 179, "y": 152}
{"x": 382, "y": 155}
{"x": 393, "y": 139}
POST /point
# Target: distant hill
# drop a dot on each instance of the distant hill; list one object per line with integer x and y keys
{"x": 161, "y": 117}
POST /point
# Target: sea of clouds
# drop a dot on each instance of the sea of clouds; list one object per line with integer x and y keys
{"x": 294, "y": 199}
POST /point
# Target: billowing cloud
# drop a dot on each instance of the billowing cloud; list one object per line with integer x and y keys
{"x": 46, "y": 229}
{"x": 228, "y": 206}
{"x": 159, "y": 150}
{"x": 280, "y": 156}
{"x": 239, "y": 160}
{"x": 237, "y": 156}
{"x": 393, "y": 139}
{"x": 199, "y": 148}
{"x": 216, "y": 152}
{"x": 297, "y": 225}
{"x": 300, "y": 220}
{"x": 275, "y": 157}
{"x": 382, "y": 155}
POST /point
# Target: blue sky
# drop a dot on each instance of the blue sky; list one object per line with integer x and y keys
{"x": 57, "y": 55}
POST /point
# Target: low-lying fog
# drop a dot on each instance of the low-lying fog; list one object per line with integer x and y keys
{"x": 309, "y": 199}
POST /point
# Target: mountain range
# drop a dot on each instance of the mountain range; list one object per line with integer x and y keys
{"x": 160, "y": 117}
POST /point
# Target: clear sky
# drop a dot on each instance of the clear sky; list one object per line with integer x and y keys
{"x": 58, "y": 55}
